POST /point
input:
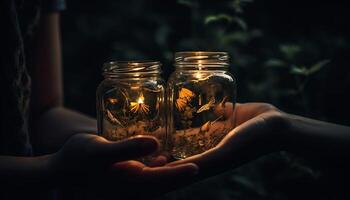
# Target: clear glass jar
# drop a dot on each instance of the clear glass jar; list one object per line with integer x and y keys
{"x": 131, "y": 101}
{"x": 201, "y": 96}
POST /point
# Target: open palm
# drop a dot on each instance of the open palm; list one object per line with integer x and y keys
{"x": 258, "y": 130}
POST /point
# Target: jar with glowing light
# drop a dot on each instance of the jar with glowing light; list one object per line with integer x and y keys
{"x": 131, "y": 101}
{"x": 201, "y": 100}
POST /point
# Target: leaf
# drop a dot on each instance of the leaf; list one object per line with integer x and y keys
{"x": 187, "y": 3}
{"x": 238, "y": 4}
{"x": 274, "y": 62}
{"x": 112, "y": 101}
{"x": 241, "y": 23}
{"x": 290, "y": 51}
{"x": 185, "y": 93}
{"x": 223, "y": 101}
{"x": 224, "y": 17}
{"x": 206, "y": 127}
{"x": 181, "y": 104}
{"x": 299, "y": 70}
{"x": 111, "y": 118}
{"x": 215, "y": 18}
{"x": 206, "y": 106}
{"x": 302, "y": 70}
{"x": 318, "y": 66}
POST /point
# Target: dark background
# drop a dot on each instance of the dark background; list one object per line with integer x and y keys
{"x": 293, "y": 54}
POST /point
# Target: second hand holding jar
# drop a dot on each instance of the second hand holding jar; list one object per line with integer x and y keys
{"x": 201, "y": 96}
{"x": 131, "y": 101}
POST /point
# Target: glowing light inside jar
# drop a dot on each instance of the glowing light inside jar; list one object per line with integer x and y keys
{"x": 139, "y": 105}
{"x": 198, "y": 74}
{"x": 140, "y": 100}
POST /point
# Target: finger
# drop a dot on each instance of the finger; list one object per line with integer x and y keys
{"x": 247, "y": 111}
{"x": 174, "y": 173}
{"x": 214, "y": 156}
{"x": 138, "y": 172}
{"x": 209, "y": 162}
{"x": 246, "y": 142}
{"x": 153, "y": 181}
{"x": 157, "y": 161}
{"x": 129, "y": 149}
{"x": 225, "y": 109}
{"x": 241, "y": 112}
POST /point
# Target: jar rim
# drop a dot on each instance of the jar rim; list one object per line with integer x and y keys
{"x": 201, "y": 52}
{"x": 133, "y": 68}
{"x": 201, "y": 59}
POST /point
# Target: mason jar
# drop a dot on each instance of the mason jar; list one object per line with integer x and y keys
{"x": 131, "y": 101}
{"x": 201, "y": 96}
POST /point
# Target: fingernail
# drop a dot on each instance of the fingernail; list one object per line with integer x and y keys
{"x": 195, "y": 168}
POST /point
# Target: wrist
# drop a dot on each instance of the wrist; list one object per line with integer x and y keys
{"x": 25, "y": 171}
{"x": 290, "y": 133}
{"x": 283, "y": 129}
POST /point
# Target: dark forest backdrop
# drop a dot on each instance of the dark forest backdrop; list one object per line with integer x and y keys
{"x": 292, "y": 54}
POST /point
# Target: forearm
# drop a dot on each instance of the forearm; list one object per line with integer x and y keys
{"x": 318, "y": 139}
{"x": 54, "y": 127}
{"x": 52, "y": 124}
{"x": 46, "y": 72}
{"x": 24, "y": 171}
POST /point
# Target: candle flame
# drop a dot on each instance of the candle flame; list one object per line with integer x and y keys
{"x": 140, "y": 100}
{"x": 139, "y": 105}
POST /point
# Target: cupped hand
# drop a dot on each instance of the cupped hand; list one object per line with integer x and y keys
{"x": 108, "y": 168}
{"x": 259, "y": 129}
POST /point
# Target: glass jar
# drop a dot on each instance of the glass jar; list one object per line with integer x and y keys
{"x": 201, "y": 96}
{"x": 131, "y": 101}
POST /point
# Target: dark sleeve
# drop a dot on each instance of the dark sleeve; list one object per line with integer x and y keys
{"x": 53, "y": 5}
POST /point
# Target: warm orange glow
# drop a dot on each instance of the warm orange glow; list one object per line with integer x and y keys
{"x": 185, "y": 93}
{"x": 140, "y": 100}
{"x": 139, "y": 105}
{"x": 198, "y": 75}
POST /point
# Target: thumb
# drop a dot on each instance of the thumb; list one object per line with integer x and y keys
{"x": 226, "y": 109}
{"x": 136, "y": 147}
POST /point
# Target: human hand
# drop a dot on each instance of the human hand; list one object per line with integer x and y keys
{"x": 106, "y": 168}
{"x": 259, "y": 130}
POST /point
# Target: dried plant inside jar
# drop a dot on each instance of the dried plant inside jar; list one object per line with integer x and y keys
{"x": 201, "y": 99}
{"x": 130, "y": 113}
{"x": 130, "y": 101}
{"x": 202, "y": 118}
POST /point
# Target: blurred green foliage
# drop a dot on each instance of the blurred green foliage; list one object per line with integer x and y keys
{"x": 293, "y": 59}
